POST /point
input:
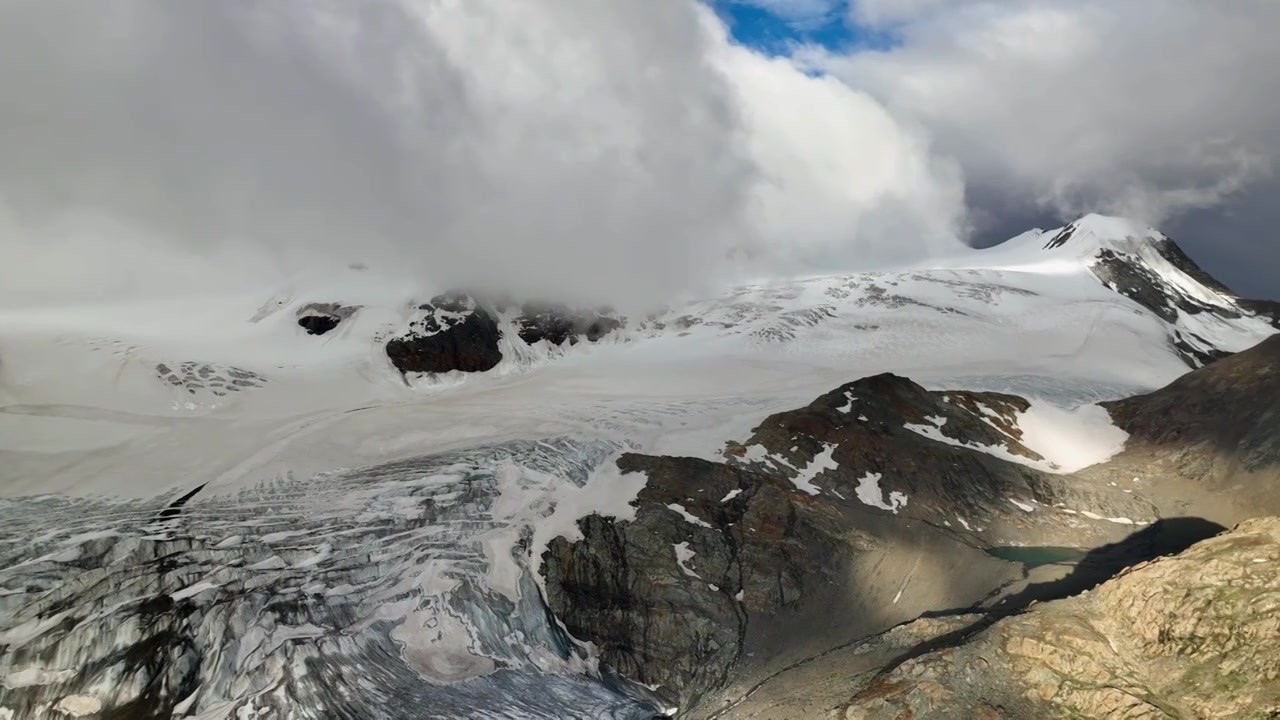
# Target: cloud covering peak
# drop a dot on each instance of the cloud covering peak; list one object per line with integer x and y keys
{"x": 1162, "y": 110}
{"x": 620, "y": 148}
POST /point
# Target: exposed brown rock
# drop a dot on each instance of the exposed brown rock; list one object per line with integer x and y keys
{"x": 1195, "y": 635}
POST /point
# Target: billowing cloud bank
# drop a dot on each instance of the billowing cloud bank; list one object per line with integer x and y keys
{"x": 622, "y": 149}
{"x": 1163, "y": 110}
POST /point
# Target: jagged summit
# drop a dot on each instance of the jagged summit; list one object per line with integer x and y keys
{"x": 1150, "y": 269}
{"x": 1082, "y": 237}
{"x": 1094, "y": 231}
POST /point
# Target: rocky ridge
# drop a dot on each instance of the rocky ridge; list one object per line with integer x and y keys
{"x": 766, "y": 585}
{"x": 866, "y": 508}
{"x": 1209, "y": 441}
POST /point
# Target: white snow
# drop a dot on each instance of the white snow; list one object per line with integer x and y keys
{"x": 79, "y": 705}
{"x": 731, "y": 495}
{"x": 182, "y": 706}
{"x": 1067, "y": 439}
{"x": 608, "y": 492}
{"x": 194, "y": 590}
{"x": 321, "y": 554}
{"x": 869, "y": 492}
{"x": 82, "y": 378}
{"x": 1070, "y": 440}
{"x": 849, "y": 406}
{"x": 820, "y": 462}
{"x": 16, "y": 636}
{"x": 688, "y": 516}
{"x": 59, "y": 372}
{"x": 34, "y": 676}
{"x": 1023, "y": 505}
{"x": 1117, "y": 520}
{"x": 683, "y": 556}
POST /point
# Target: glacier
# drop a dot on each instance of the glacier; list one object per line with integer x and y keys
{"x": 207, "y": 510}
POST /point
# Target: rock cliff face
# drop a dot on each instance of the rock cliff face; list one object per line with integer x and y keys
{"x": 559, "y": 324}
{"x": 1195, "y": 635}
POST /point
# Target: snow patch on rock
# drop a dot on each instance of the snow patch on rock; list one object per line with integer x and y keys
{"x": 820, "y": 462}
{"x": 683, "y": 556}
{"x": 869, "y": 493}
{"x": 688, "y": 516}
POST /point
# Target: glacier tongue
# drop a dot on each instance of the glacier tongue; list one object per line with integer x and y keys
{"x": 361, "y": 593}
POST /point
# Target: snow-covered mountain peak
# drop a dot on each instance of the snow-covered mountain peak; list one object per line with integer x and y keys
{"x": 1093, "y": 232}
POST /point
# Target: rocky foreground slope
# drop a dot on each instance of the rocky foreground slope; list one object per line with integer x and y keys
{"x": 1210, "y": 441}
{"x": 1196, "y": 635}
{"x": 766, "y": 585}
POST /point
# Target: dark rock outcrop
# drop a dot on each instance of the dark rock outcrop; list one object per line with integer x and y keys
{"x": 320, "y": 318}
{"x": 1142, "y": 270}
{"x": 452, "y": 333}
{"x": 1233, "y": 404}
{"x": 1187, "y": 637}
{"x": 724, "y": 572}
{"x": 830, "y": 523}
{"x": 558, "y": 324}
{"x": 318, "y": 324}
{"x": 1209, "y": 441}
{"x": 1140, "y": 283}
{"x": 1269, "y": 309}
{"x": 1061, "y": 237}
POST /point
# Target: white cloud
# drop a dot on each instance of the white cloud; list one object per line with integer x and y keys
{"x": 609, "y": 148}
{"x": 882, "y": 13}
{"x": 1151, "y": 108}
{"x": 842, "y": 185}
{"x": 801, "y": 13}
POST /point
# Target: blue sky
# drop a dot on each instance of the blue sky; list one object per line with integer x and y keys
{"x": 758, "y": 28}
